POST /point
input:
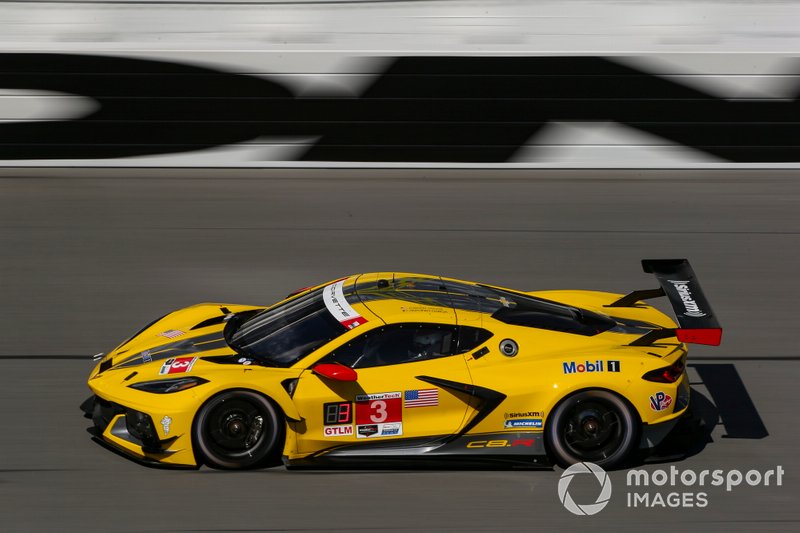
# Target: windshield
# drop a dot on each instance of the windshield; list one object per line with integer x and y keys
{"x": 283, "y": 335}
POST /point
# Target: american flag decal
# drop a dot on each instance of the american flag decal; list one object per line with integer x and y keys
{"x": 171, "y": 333}
{"x": 421, "y": 398}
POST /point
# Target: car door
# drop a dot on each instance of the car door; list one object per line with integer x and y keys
{"x": 391, "y": 398}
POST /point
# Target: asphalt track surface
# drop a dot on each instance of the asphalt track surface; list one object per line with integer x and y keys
{"x": 88, "y": 257}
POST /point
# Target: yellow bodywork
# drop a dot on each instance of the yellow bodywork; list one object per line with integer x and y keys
{"x": 533, "y": 381}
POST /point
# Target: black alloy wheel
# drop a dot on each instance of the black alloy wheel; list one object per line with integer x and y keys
{"x": 238, "y": 429}
{"x": 595, "y": 426}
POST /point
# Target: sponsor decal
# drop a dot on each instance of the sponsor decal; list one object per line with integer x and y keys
{"x": 597, "y": 366}
{"x": 660, "y": 401}
{"x": 535, "y": 423}
{"x": 421, "y": 398}
{"x": 146, "y": 357}
{"x": 528, "y": 414}
{"x": 338, "y": 431}
{"x": 337, "y": 413}
{"x": 501, "y": 443}
{"x": 165, "y": 422}
{"x": 379, "y": 408}
{"x": 333, "y": 296}
{"x": 177, "y": 365}
{"x": 423, "y": 309}
{"x": 171, "y": 333}
{"x": 391, "y": 430}
{"x": 369, "y": 430}
{"x": 245, "y": 361}
{"x": 378, "y": 396}
{"x": 685, "y": 294}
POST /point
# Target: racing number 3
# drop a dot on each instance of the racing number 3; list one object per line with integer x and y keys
{"x": 379, "y": 407}
{"x": 379, "y": 411}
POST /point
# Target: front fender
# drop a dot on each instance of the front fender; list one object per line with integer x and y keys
{"x": 268, "y": 382}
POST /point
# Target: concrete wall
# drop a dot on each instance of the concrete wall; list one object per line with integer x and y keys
{"x": 449, "y": 83}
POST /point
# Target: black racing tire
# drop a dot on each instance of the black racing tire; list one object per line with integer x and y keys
{"x": 226, "y": 436}
{"x": 594, "y": 426}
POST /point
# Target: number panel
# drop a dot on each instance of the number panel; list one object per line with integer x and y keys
{"x": 337, "y": 413}
{"x": 379, "y": 408}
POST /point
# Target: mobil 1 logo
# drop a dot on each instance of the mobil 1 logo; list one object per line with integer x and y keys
{"x": 574, "y": 367}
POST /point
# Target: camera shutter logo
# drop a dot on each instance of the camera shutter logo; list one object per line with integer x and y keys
{"x": 590, "y": 508}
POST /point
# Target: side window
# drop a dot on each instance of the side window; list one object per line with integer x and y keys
{"x": 396, "y": 344}
{"x": 470, "y": 338}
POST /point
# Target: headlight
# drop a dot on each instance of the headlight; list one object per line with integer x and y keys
{"x": 167, "y": 386}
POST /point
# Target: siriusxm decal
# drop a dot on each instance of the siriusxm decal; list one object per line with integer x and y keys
{"x": 535, "y": 423}
{"x": 598, "y": 366}
{"x": 685, "y": 294}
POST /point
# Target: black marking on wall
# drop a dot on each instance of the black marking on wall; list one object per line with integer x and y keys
{"x": 421, "y": 109}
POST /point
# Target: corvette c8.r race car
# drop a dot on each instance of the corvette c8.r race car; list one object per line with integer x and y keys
{"x": 406, "y": 369}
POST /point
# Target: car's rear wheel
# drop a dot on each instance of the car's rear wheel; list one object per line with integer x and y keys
{"x": 593, "y": 425}
{"x": 238, "y": 429}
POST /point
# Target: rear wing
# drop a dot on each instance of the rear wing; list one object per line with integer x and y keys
{"x": 697, "y": 322}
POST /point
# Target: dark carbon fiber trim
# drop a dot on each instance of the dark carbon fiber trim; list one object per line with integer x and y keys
{"x": 203, "y": 343}
{"x": 492, "y": 449}
{"x": 490, "y": 398}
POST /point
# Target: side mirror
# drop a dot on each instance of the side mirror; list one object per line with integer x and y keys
{"x": 335, "y": 372}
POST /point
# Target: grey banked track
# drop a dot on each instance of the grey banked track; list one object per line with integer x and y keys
{"x": 88, "y": 259}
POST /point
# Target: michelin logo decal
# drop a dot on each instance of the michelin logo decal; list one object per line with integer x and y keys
{"x": 535, "y": 423}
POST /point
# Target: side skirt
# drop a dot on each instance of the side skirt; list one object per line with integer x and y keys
{"x": 491, "y": 450}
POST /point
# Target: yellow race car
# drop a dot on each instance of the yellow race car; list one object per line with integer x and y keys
{"x": 393, "y": 368}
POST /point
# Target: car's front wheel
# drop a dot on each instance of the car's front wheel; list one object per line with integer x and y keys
{"x": 593, "y": 425}
{"x": 238, "y": 429}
